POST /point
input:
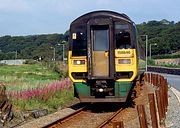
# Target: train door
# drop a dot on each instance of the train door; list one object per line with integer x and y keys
{"x": 100, "y": 50}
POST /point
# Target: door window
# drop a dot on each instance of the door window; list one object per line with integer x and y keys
{"x": 101, "y": 40}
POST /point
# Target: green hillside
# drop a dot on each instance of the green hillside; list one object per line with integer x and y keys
{"x": 164, "y": 33}
{"x": 32, "y": 47}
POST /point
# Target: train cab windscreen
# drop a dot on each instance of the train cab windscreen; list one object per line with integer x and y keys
{"x": 122, "y": 34}
{"x": 79, "y": 44}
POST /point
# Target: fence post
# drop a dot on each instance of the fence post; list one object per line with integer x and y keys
{"x": 156, "y": 80}
{"x": 162, "y": 93}
{"x": 142, "y": 116}
{"x": 151, "y": 78}
{"x": 153, "y": 110}
{"x": 166, "y": 92}
{"x": 145, "y": 78}
{"x": 159, "y": 105}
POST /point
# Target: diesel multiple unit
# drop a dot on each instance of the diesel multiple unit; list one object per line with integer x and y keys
{"x": 105, "y": 59}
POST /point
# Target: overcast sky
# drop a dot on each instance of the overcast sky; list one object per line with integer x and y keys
{"x": 29, "y": 17}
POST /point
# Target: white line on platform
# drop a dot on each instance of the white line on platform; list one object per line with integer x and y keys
{"x": 177, "y": 93}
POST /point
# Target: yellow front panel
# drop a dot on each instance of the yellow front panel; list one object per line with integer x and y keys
{"x": 76, "y": 68}
{"x": 132, "y": 66}
{"x": 104, "y": 70}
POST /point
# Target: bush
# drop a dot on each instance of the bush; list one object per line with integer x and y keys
{"x": 30, "y": 61}
{"x": 151, "y": 62}
{"x": 166, "y": 56}
{"x": 58, "y": 67}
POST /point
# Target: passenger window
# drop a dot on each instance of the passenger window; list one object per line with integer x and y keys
{"x": 122, "y": 36}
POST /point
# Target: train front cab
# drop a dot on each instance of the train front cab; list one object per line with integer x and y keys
{"x": 102, "y": 60}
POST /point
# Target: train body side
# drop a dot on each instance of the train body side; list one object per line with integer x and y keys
{"x": 104, "y": 58}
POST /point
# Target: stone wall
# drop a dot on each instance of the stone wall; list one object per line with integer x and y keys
{"x": 168, "y": 61}
{"x": 12, "y": 62}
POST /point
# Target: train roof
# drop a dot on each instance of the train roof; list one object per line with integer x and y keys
{"x": 103, "y": 13}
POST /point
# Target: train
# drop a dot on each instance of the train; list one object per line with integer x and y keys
{"x": 105, "y": 57}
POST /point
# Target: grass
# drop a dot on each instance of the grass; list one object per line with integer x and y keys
{"x": 35, "y": 71}
{"x": 26, "y": 76}
{"x": 36, "y": 86}
{"x": 170, "y": 65}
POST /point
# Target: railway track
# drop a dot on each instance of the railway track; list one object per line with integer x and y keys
{"x": 96, "y": 120}
{"x": 109, "y": 120}
{"x": 59, "y": 122}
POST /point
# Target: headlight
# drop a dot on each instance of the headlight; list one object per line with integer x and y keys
{"x": 124, "y": 61}
{"x": 78, "y": 62}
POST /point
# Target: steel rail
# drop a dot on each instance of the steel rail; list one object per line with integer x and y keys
{"x": 53, "y": 124}
{"x": 110, "y": 118}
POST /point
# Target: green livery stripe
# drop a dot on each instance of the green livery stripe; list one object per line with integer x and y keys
{"x": 122, "y": 88}
{"x": 82, "y": 89}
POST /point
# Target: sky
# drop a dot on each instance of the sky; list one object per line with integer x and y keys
{"x": 30, "y": 17}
